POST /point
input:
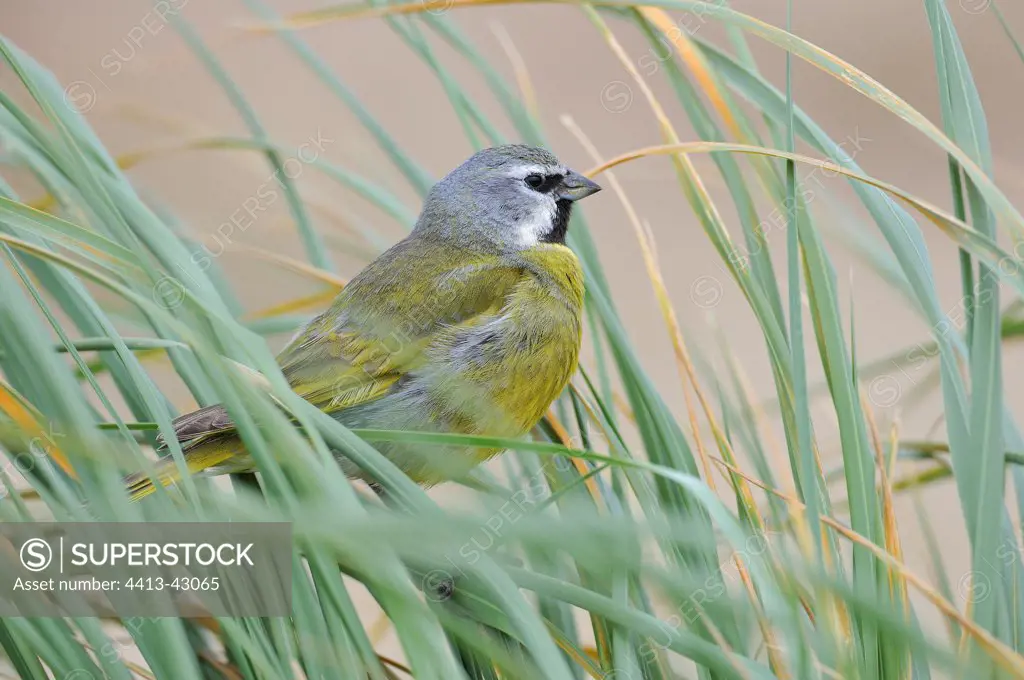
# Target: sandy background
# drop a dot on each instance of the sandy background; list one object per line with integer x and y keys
{"x": 153, "y": 93}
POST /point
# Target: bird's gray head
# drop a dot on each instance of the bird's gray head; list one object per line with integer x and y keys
{"x": 510, "y": 197}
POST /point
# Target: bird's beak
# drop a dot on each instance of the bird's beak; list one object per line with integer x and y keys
{"x": 575, "y": 186}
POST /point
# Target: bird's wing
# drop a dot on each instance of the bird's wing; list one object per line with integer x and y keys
{"x": 376, "y": 330}
{"x": 379, "y": 327}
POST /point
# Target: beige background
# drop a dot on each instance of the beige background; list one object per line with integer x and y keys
{"x": 161, "y": 94}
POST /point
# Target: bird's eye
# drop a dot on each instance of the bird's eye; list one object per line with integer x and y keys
{"x": 534, "y": 181}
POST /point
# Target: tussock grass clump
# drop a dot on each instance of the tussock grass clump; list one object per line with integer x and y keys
{"x": 606, "y": 548}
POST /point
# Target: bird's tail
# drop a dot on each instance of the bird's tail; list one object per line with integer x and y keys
{"x": 208, "y": 439}
{"x": 198, "y": 459}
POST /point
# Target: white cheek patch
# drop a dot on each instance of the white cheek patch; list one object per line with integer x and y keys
{"x": 531, "y": 229}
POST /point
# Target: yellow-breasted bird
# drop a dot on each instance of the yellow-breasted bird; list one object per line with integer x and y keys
{"x": 471, "y": 324}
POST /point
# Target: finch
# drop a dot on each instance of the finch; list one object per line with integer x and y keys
{"x": 470, "y": 325}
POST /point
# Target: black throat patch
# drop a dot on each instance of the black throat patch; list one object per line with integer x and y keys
{"x": 560, "y": 223}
